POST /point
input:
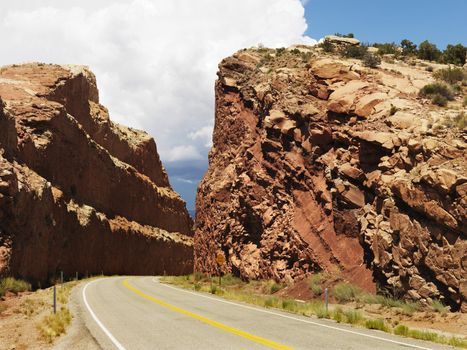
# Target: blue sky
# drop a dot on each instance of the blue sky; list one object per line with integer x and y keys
{"x": 439, "y": 21}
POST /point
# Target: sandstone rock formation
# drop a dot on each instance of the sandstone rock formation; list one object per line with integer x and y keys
{"x": 79, "y": 193}
{"x": 339, "y": 42}
{"x": 319, "y": 163}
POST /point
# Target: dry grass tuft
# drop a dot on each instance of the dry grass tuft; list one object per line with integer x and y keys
{"x": 13, "y": 285}
{"x": 54, "y": 325}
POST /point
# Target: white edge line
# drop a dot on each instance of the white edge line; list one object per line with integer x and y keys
{"x": 293, "y": 318}
{"x": 99, "y": 323}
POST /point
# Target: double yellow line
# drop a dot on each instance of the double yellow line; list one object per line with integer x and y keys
{"x": 206, "y": 320}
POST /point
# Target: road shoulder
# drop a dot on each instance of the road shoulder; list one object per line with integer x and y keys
{"x": 78, "y": 336}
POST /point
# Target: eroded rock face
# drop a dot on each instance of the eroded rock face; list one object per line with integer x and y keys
{"x": 320, "y": 164}
{"x": 77, "y": 191}
{"x": 340, "y": 43}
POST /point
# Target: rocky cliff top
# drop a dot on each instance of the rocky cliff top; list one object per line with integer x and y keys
{"x": 319, "y": 162}
{"x": 75, "y": 88}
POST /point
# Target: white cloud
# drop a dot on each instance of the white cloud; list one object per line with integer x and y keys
{"x": 155, "y": 60}
{"x": 183, "y": 153}
{"x": 204, "y": 134}
{"x": 187, "y": 181}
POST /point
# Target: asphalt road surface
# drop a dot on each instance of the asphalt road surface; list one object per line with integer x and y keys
{"x": 141, "y": 313}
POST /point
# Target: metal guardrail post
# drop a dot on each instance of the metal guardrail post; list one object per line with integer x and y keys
{"x": 55, "y": 299}
{"x": 326, "y": 293}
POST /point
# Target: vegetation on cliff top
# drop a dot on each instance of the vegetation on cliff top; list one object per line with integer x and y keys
{"x": 450, "y": 82}
{"x": 453, "y": 54}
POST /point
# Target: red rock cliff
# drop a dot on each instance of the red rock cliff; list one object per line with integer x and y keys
{"x": 77, "y": 191}
{"x": 319, "y": 164}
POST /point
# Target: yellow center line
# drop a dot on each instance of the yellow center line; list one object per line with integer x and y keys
{"x": 240, "y": 333}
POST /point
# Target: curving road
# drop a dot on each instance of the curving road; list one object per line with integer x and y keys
{"x": 141, "y": 313}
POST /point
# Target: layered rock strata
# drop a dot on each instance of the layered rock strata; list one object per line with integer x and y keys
{"x": 78, "y": 192}
{"x": 319, "y": 163}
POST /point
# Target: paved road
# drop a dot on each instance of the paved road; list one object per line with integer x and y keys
{"x": 141, "y": 313}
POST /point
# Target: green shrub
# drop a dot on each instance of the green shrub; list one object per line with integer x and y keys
{"x": 322, "y": 312}
{"x": 280, "y": 51}
{"x": 455, "y": 54}
{"x": 450, "y": 75}
{"x": 327, "y": 46}
{"x": 220, "y": 291}
{"x": 439, "y": 100}
{"x": 315, "y": 284}
{"x": 316, "y": 289}
{"x": 213, "y": 289}
{"x": 275, "y": 287}
{"x": 289, "y": 304}
{"x": 438, "y": 306}
{"x": 355, "y": 51}
{"x": 393, "y": 110}
{"x": 337, "y": 315}
{"x": 409, "y": 308}
{"x": 344, "y": 292}
{"x": 13, "y": 285}
{"x": 370, "y": 60}
{"x": 197, "y": 276}
{"x": 388, "y": 301}
{"x": 318, "y": 308}
{"x": 408, "y": 47}
{"x": 229, "y": 279}
{"x": 423, "y": 335}
{"x": 377, "y": 324}
{"x": 387, "y": 48}
{"x": 263, "y": 61}
{"x": 428, "y": 51}
{"x": 349, "y": 35}
{"x": 353, "y": 316}
{"x": 456, "y": 88}
{"x": 271, "y": 302}
{"x": 197, "y": 286}
{"x": 439, "y": 93}
{"x": 401, "y": 330}
{"x": 368, "y": 298}
{"x": 436, "y": 88}
{"x": 429, "y": 69}
{"x": 460, "y": 343}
